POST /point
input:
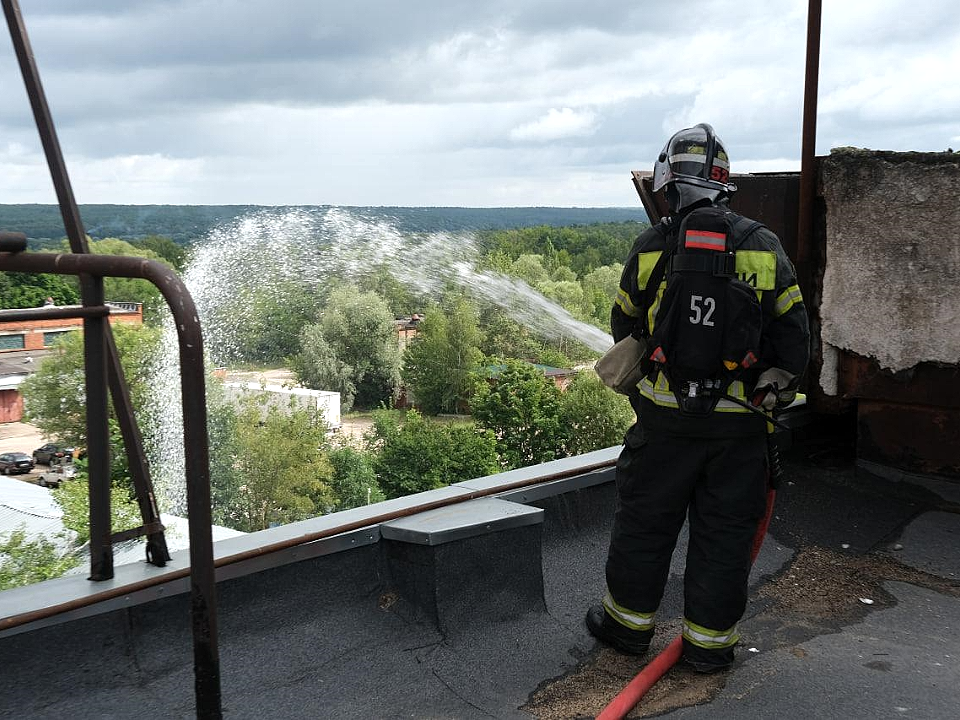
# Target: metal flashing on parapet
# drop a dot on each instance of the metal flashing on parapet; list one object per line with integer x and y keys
{"x": 559, "y": 487}
{"x": 461, "y": 521}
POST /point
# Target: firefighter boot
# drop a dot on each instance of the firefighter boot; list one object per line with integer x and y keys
{"x": 607, "y": 630}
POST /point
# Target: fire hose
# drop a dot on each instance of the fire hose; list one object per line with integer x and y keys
{"x": 628, "y": 698}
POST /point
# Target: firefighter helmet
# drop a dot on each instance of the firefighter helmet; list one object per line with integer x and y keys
{"x": 693, "y": 166}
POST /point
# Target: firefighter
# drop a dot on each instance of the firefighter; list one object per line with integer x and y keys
{"x": 709, "y": 468}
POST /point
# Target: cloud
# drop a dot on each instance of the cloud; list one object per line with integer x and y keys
{"x": 555, "y": 125}
{"x": 430, "y": 102}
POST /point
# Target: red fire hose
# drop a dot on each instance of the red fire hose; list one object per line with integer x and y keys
{"x": 628, "y": 698}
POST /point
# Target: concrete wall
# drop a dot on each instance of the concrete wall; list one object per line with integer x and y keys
{"x": 283, "y": 398}
{"x": 890, "y": 306}
{"x": 893, "y": 256}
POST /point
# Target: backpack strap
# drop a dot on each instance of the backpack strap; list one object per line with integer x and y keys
{"x": 671, "y": 235}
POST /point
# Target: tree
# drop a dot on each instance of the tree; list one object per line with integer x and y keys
{"x": 530, "y": 269}
{"x": 354, "y": 481}
{"x": 504, "y": 337}
{"x": 595, "y": 416}
{"x": 26, "y": 290}
{"x": 55, "y": 396}
{"x": 275, "y": 314}
{"x": 24, "y": 562}
{"x": 600, "y": 292}
{"x": 225, "y": 477}
{"x": 285, "y": 476}
{"x": 440, "y": 364}
{"x": 522, "y": 408}
{"x": 165, "y": 248}
{"x": 360, "y": 331}
{"x": 317, "y": 366}
{"x": 398, "y": 296}
{"x": 417, "y": 455}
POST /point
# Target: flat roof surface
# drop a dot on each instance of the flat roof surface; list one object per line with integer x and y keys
{"x": 855, "y": 602}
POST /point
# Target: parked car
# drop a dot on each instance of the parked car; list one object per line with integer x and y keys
{"x": 12, "y": 463}
{"x": 59, "y": 471}
{"x": 47, "y": 453}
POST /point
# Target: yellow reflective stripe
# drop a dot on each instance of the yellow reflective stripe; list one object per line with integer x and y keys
{"x": 627, "y": 618}
{"x": 787, "y": 299}
{"x": 659, "y": 393}
{"x": 710, "y": 639}
{"x": 757, "y": 268}
{"x": 623, "y": 300}
{"x": 645, "y": 264}
{"x": 655, "y": 306}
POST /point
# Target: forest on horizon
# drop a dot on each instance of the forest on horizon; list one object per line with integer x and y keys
{"x": 186, "y": 224}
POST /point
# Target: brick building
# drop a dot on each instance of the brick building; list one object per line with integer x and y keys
{"x": 23, "y": 343}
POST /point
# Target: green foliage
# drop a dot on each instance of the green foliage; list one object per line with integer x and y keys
{"x": 354, "y": 482}
{"x": 24, "y": 562}
{"x": 317, "y": 366}
{"x": 530, "y": 269}
{"x": 600, "y": 292}
{"x": 185, "y": 224}
{"x": 399, "y": 297}
{"x": 361, "y": 336}
{"x": 165, "y": 248}
{"x": 55, "y": 396}
{"x": 581, "y": 248}
{"x": 284, "y": 475}
{"x": 594, "y": 415}
{"x": 73, "y": 496}
{"x": 415, "y": 455}
{"x": 26, "y": 290}
{"x": 225, "y": 477}
{"x": 439, "y": 365}
{"x": 504, "y": 337}
{"x": 522, "y": 408}
{"x": 275, "y": 315}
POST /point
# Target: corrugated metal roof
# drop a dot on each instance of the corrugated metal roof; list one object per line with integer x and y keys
{"x": 31, "y": 507}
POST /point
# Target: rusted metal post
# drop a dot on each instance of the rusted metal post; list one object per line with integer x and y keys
{"x": 98, "y": 433}
{"x": 808, "y": 178}
{"x": 133, "y": 443}
{"x": 203, "y": 599}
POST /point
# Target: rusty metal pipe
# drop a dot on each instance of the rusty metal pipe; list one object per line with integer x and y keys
{"x": 12, "y": 241}
{"x": 70, "y": 212}
{"x": 196, "y": 448}
{"x": 98, "y": 435}
{"x": 102, "y": 596}
{"x": 55, "y": 313}
{"x": 808, "y": 179}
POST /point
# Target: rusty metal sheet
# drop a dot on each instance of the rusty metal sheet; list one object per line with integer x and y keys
{"x": 771, "y": 198}
{"x": 914, "y": 438}
{"x": 923, "y": 384}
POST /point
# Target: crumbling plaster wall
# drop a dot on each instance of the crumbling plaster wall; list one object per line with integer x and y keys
{"x": 890, "y": 286}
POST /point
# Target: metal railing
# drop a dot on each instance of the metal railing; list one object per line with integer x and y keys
{"x": 196, "y": 447}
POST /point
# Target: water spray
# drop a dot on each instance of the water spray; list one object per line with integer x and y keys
{"x": 270, "y": 249}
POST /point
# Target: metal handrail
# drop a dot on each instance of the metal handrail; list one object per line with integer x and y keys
{"x": 196, "y": 445}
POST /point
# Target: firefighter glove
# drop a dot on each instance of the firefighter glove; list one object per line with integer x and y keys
{"x": 775, "y": 388}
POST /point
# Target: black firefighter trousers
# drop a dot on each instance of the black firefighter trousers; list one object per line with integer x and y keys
{"x": 721, "y": 485}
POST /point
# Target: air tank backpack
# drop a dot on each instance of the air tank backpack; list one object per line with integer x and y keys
{"x": 707, "y": 328}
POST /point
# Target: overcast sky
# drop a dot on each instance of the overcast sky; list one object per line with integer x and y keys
{"x": 453, "y": 102}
